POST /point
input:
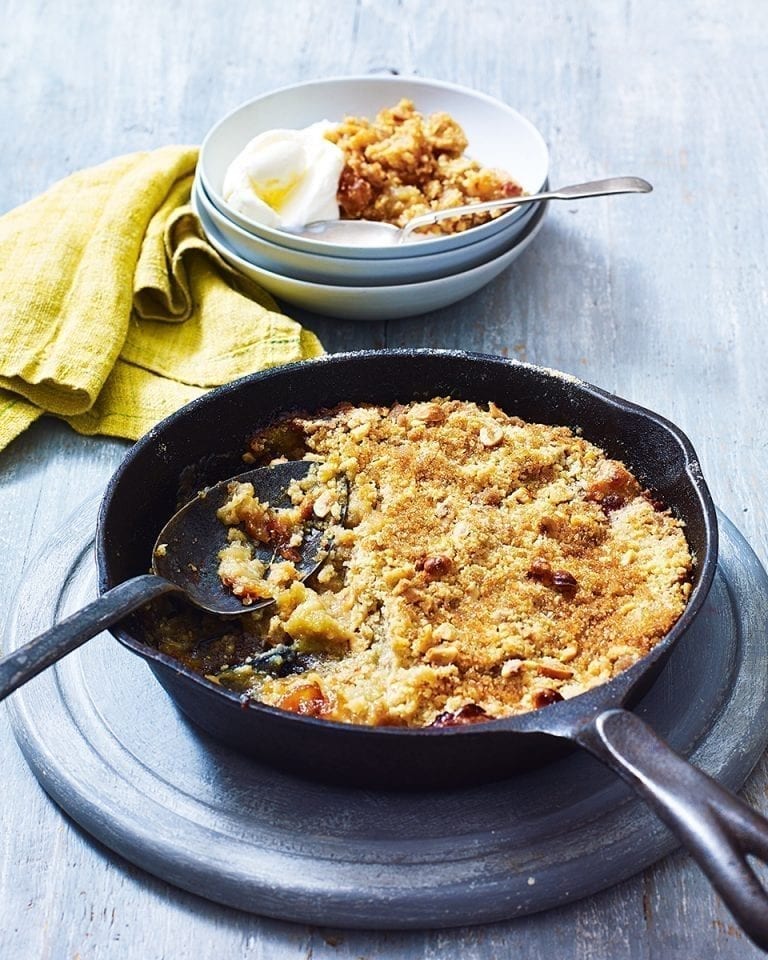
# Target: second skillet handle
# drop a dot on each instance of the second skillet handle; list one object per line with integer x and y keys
{"x": 35, "y": 655}
{"x": 718, "y": 829}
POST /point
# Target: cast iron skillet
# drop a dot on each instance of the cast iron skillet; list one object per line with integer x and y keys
{"x": 203, "y": 443}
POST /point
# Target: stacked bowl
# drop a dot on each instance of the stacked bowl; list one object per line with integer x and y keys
{"x": 360, "y": 281}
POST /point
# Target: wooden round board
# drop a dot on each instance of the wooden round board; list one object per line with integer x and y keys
{"x": 108, "y": 745}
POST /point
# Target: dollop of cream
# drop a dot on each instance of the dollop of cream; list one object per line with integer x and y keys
{"x": 286, "y": 178}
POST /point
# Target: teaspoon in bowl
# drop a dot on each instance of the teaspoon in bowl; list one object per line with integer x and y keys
{"x": 184, "y": 561}
{"x": 374, "y": 233}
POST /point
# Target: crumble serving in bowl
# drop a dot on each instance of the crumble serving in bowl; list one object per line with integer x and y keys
{"x": 498, "y": 136}
{"x": 391, "y": 168}
{"x": 402, "y": 164}
{"x": 485, "y": 566}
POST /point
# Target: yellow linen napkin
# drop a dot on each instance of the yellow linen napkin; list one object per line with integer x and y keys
{"x": 114, "y": 309}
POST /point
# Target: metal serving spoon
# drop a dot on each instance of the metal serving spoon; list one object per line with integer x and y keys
{"x": 370, "y": 233}
{"x": 186, "y": 563}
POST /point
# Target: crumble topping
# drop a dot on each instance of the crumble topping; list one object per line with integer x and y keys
{"x": 485, "y": 566}
{"x": 403, "y": 164}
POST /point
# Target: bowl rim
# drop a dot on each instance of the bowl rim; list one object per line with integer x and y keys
{"x": 285, "y": 238}
{"x": 525, "y": 237}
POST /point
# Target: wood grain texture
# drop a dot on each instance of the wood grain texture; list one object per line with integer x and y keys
{"x": 661, "y": 298}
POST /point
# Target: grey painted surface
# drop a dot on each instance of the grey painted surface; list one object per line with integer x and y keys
{"x": 660, "y": 298}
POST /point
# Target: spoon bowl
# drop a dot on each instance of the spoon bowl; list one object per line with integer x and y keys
{"x": 186, "y": 551}
{"x": 184, "y": 561}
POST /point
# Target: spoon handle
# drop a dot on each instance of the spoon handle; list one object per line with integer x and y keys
{"x": 34, "y": 656}
{"x": 599, "y": 188}
{"x": 578, "y": 191}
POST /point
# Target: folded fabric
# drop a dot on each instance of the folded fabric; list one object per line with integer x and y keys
{"x": 114, "y": 309}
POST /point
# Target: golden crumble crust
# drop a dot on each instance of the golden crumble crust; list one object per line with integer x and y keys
{"x": 403, "y": 164}
{"x": 486, "y": 566}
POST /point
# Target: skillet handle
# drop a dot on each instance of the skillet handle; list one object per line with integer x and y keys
{"x": 35, "y": 655}
{"x": 718, "y": 829}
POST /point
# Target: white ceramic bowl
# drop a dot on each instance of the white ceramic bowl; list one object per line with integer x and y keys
{"x": 384, "y": 302}
{"x": 350, "y": 271}
{"x": 498, "y": 137}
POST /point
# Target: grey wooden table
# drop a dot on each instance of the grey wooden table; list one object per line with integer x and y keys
{"x": 661, "y": 299}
